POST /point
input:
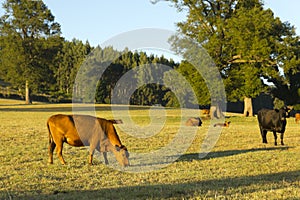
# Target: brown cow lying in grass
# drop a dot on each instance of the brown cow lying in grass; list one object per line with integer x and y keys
{"x": 206, "y": 112}
{"x": 84, "y": 130}
{"x": 193, "y": 121}
{"x": 226, "y": 124}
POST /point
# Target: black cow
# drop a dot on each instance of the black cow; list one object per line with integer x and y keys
{"x": 272, "y": 120}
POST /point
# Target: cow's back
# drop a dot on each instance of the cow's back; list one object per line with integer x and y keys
{"x": 62, "y": 123}
{"x": 261, "y": 115}
{"x": 72, "y": 123}
{"x": 76, "y": 130}
{"x": 266, "y": 115}
{"x": 88, "y": 128}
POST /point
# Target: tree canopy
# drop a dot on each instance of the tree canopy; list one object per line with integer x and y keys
{"x": 31, "y": 36}
{"x": 247, "y": 43}
{"x": 253, "y": 51}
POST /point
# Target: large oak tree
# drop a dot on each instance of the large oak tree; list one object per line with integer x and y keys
{"x": 30, "y": 40}
{"x": 247, "y": 44}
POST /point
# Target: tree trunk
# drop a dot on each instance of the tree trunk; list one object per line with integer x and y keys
{"x": 248, "y": 109}
{"x": 216, "y": 112}
{"x": 27, "y": 94}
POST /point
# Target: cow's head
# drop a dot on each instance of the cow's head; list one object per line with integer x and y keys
{"x": 285, "y": 112}
{"x": 288, "y": 110}
{"x": 199, "y": 121}
{"x": 226, "y": 124}
{"x": 122, "y": 155}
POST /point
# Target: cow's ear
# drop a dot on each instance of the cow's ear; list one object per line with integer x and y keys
{"x": 117, "y": 148}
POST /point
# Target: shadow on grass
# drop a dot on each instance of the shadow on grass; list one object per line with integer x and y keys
{"x": 207, "y": 189}
{"x": 220, "y": 154}
{"x": 68, "y": 108}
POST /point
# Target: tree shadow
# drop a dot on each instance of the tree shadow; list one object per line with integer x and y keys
{"x": 208, "y": 188}
{"x": 68, "y": 108}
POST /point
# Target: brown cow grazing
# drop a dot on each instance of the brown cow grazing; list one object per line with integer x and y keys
{"x": 84, "y": 130}
{"x": 297, "y": 117}
{"x": 226, "y": 124}
{"x": 193, "y": 121}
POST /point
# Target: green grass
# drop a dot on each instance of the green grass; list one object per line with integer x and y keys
{"x": 239, "y": 166}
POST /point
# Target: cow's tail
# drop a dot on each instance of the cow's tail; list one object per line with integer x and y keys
{"x": 49, "y": 133}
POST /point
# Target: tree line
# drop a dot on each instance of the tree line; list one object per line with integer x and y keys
{"x": 254, "y": 51}
{"x": 36, "y": 60}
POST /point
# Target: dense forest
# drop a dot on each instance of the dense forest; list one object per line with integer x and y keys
{"x": 255, "y": 52}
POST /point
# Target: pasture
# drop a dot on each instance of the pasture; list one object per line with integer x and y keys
{"x": 239, "y": 166}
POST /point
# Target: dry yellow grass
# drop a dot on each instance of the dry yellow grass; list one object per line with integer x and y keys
{"x": 239, "y": 166}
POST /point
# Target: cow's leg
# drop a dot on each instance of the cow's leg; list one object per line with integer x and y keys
{"x": 275, "y": 137}
{"x": 92, "y": 150}
{"x": 281, "y": 138}
{"x": 51, "y": 149}
{"x": 103, "y": 150}
{"x": 264, "y": 136}
{"x": 59, "y": 146}
{"x": 91, "y": 157}
{"x": 105, "y": 157}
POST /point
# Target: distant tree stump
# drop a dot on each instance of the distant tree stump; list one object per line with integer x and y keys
{"x": 216, "y": 112}
{"x": 248, "y": 109}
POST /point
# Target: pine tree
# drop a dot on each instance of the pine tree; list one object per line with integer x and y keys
{"x": 69, "y": 60}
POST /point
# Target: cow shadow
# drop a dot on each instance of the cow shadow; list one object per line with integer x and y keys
{"x": 220, "y": 154}
{"x": 167, "y": 159}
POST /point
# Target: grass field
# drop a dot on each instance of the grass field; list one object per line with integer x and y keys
{"x": 239, "y": 166}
